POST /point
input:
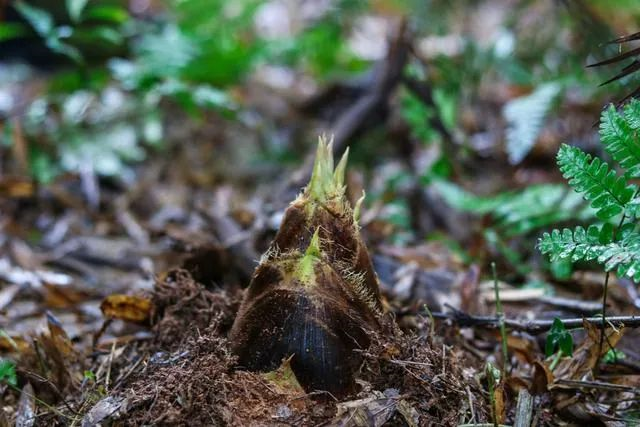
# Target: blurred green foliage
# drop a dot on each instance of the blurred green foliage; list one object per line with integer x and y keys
{"x": 190, "y": 53}
{"x": 102, "y": 112}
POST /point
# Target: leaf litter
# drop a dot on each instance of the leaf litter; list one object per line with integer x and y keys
{"x": 99, "y": 327}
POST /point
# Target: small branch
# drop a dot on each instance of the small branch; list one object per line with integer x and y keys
{"x": 387, "y": 73}
{"x": 500, "y": 314}
{"x": 597, "y": 385}
{"x": 606, "y": 286}
{"x": 532, "y": 326}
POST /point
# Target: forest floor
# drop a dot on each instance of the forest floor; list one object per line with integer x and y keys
{"x": 118, "y": 313}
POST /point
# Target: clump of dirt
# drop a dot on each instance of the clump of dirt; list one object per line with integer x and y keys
{"x": 428, "y": 374}
{"x": 184, "y": 307}
{"x": 190, "y": 375}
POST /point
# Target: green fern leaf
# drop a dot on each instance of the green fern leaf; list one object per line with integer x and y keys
{"x": 632, "y": 114}
{"x": 525, "y": 118}
{"x": 619, "y": 136}
{"x": 578, "y": 245}
{"x": 596, "y": 244}
{"x": 607, "y": 192}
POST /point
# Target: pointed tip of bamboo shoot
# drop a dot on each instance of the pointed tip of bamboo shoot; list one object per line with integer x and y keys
{"x": 340, "y": 171}
{"x": 358, "y": 207}
{"x": 326, "y": 181}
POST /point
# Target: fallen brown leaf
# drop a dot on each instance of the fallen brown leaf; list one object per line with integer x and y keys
{"x": 542, "y": 378}
{"x": 499, "y": 397}
{"x": 59, "y": 336}
{"x": 16, "y": 187}
{"x": 131, "y": 308}
{"x": 61, "y": 358}
{"x": 374, "y": 410}
{"x": 10, "y": 344}
{"x": 56, "y": 296}
{"x": 524, "y": 348}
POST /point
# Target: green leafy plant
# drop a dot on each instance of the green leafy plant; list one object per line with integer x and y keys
{"x": 610, "y": 194}
{"x": 517, "y": 213}
{"x": 558, "y": 339}
{"x": 102, "y": 115}
{"x": 613, "y": 355}
{"x": 8, "y": 372}
{"x": 92, "y": 28}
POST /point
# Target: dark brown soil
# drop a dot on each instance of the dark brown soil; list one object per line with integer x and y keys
{"x": 188, "y": 374}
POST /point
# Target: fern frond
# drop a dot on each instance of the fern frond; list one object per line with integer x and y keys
{"x": 596, "y": 244}
{"x": 607, "y": 192}
{"x": 632, "y": 114}
{"x": 619, "y": 135}
{"x": 518, "y": 213}
{"x": 579, "y": 245}
{"x": 525, "y": 118}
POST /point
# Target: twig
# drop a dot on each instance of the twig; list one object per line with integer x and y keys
{"x": 597, "y": 385}
{"x": 386, "y": 76}
{"x": 51, "y": 385}
{"x": 586, "y": 307}
{"x": 500, "y": 314}
{"x": 532, "y": 326}
{"x": 605, "y": 291}
{"x": 470, "y": 397}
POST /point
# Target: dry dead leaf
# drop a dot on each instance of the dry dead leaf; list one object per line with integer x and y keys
{"x": 131, "y": 308}
{"x": 56, "y": 296}
{"x": 469, "y": 290}
{"x": 515, "y": 384}
{"x": 16, "y": 187}
{"x": 10, "y": 344}
{"x": 109, "y": 408}
{"x": 60, "y": 338}
{"x": 8, "y": 294}
{"x": 524, "y": 348}
{"x": 542, "y": 378}
{"x": 427, "y": 256}
{"x": 499, "y": 397}
{"x": 626, "y": 380}
{"x": 60, "y": 356}
{"x": 409, "y": 413}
